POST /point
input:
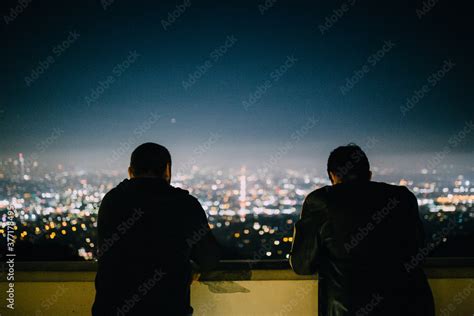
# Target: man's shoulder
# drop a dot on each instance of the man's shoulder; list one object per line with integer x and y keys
{"x": 123, "y": 190}
{"x": 399, "y": 193}
{"x": 320, "y": 192}
{"x": 179, "y": 191}
{"x": 329, "y": 192}
{"x": 402, "y": 190}
{"x": 110, "y": 196}
{"x": 116, "y": 191}
{"x": 185, "y": 196}
{"x": 319, "y": 195}
{"x": 181, "y": 194}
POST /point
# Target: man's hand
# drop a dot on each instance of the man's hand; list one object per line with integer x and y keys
{"x": 196, "y": 277}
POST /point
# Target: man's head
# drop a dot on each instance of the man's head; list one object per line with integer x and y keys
{"x": 150, "y": 160}
{"x": 348, "y": 163}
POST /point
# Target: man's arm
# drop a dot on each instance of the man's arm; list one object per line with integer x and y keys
{"x": 306, "y": 241}
{"x": 103, "y": 221}
{"x": 205, "y": 251}
{"x": 415, "y": 215}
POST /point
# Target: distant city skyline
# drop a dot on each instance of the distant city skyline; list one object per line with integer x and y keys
{"x": 247, "y": 210}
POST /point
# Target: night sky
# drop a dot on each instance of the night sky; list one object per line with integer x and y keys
{"x": 83, "y": 83}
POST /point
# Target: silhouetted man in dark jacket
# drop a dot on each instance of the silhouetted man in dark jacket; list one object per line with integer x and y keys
{"x": 148, "y": 233}
{"x": 361, "y": 236}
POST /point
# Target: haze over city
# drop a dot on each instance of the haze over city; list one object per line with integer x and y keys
{"x": 93, "y": 80}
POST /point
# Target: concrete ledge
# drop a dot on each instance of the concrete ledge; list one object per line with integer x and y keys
{"x": 235, "y": 288}
{"x": 217, "y": 298}
{"x": 452, "y": 268}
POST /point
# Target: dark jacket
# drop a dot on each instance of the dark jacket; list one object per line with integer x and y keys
{"x": 361, "y": 238}
{"x": 148, "y": 231}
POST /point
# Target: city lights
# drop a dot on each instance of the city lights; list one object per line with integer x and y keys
{"x": 248, "y": 211}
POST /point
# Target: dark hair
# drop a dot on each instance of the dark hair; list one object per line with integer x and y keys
{"x": 150, "y": 158}
{"x": 349, "y": 163}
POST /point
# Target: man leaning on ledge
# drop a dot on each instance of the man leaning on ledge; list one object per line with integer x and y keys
{"x": 149, "y": 235}
{"x": 360, "y": 235}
